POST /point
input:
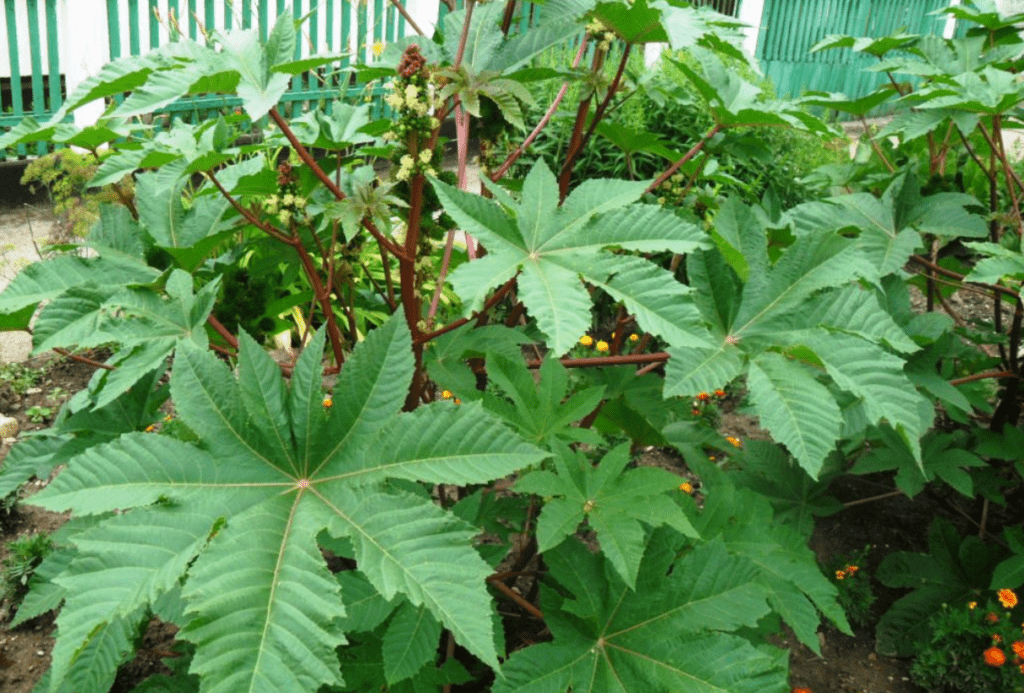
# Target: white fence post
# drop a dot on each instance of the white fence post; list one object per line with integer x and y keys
{"x": 84, "y": 49}
{"x": 751, "y": 14}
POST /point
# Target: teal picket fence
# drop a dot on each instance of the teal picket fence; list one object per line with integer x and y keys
{"x": 31, "y": 83}
{"x": 789, "y": 28}
{"x": 137, "y": 26}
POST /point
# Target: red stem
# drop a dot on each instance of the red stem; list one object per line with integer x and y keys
{"x": 686, "y": 157}
{"x": 518, "y": 152}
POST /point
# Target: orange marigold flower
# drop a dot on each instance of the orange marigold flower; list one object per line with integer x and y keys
{"x": 602, "y": 346}
{"x": 150, "y": 428}
{"x": 328, "y": 402}
{"x": 734, "y": 441}
{"x": 840, "y": 575}
{"x": 446, "y": 394}
{"x": 719, "y": 393}
{"x": 802, "y": 690}
{"x": 995, "y": 657}
{"x": 1008, "y": 598}
{"x": 703, "y": 396}
{"x": 686, "y": 487}
{"x": 1018, "y": 648}
{"x": 991, "y": 617}
{"x": 458, "y": 401}
{"x": 851, "y": 569}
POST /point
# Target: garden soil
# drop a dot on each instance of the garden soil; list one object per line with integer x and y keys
{"x": 846, "y": 665}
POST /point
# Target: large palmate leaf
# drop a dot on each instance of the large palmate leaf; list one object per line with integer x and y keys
{"x": 237, "y": 519}
{"x": 788, "y": 570}
{"x": 790, "y": 322}
{"x": 553, "y": 247}
{"x": 614, "y": 502}
{"x": 671, "y": 634}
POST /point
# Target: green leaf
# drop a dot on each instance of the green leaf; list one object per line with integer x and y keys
{"x": 608, "y": 637}
{"x": 163, "y": 216}
{"x": 554, "y": 247}
{"x": 787, "y": 569}
{"x": 796, "y": 408}
{"x": 876, "y": 377}
{"x": 614, "y": 501}
{"x": 256, "y": 517}
{"x": 48, "y": 279}
{"x": 410, "y": 642}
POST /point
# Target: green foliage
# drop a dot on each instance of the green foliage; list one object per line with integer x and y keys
{"x": 457, "y": 449}
{"x": 849, "y": 576}
{"x": 952, "y": 657}
{"x": 953, "y": 572}
{"x": 66, "y": 175}
{"x": 23, "y": 557}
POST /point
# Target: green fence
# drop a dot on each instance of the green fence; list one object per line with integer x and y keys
{"x": 137, "y": 26}
{"x": 32, "y": 84}
{"x": 789, "y": 28}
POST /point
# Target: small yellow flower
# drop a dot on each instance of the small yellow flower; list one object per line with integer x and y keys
{"x": 458, "y": 401}
{"x": 168, "y": 418}
{"x": 150, "y": 428}
{"x": 734, "y": 441}
{"x": 378, "y": 49}
{"x": 996, "y": 637}
{"x": 686, "y": 487}
{"x": 602, "y": 346}
{"x": 972, "y": 605}
{"x": 586, "y": 340}
{"x": 328, "y": 402}
{"x": 1008, "y": 598}
{"x": 840, "y": 575}
{"x": 634, "y": 337}
{"x": 446, "y": 394}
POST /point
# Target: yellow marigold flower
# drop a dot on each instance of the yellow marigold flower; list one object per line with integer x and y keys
{"x": 995, "y": 657}
{"x": 602, "y": 346}
{"x": 734, "y": 441}
{"x": 972, "y": 605}
{"x": 150, "y": 428}
{"x": 1008, "y": 598}
{"x": 634, "y": 337}
{"x": 840, "y": 575}
{"x": 686, "y": 487}
{"x": 703, "y": 396}
{"x": 378, "y": 49}
{"x": 446, "y": 394}
{"x": 328, "y": 402}
{"x": 586, "y": 340}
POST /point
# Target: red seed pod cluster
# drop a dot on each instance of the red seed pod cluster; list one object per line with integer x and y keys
{"x": 412, "y": 62}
